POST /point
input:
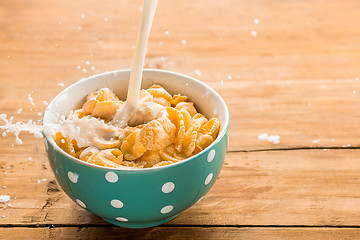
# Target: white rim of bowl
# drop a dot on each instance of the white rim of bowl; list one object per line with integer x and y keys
{"x": 222, "y": 132}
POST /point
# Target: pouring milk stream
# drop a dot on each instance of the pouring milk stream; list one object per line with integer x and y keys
{"x": 128, "y": 109}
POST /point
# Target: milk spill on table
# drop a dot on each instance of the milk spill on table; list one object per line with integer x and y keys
{"x": 132, "y": 112}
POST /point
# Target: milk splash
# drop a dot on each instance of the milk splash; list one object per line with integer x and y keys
{"x": 82, "y": 130}
{"x": 18, "y": 127}
{"x": 85, "y": 129}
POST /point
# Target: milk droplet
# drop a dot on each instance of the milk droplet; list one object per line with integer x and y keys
{"x": 30, "y": 100}
{"x": 18, "y": 141}
{"x": 197, "y": 72}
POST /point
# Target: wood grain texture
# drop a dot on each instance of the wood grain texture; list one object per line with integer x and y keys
{"x": 303, "y": 187}
{"x": 170, "y": 233}
{"x": 298, "y": 78}
{"x": 295, "y": 79}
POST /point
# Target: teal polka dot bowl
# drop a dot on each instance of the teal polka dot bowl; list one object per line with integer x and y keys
{"x": 138, "y": 198}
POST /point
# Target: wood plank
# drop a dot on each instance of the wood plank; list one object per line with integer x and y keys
{"x": 303, "y": 114}
{"x": 179, "y": 233}
{"x": 303, "y": 187}
{"x": 295, "y": 79}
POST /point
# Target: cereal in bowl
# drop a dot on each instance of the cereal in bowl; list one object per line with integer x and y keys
{"x": 163, "y": 129}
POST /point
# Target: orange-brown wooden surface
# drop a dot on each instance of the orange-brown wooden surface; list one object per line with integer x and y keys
{"x": 298, "y": 78}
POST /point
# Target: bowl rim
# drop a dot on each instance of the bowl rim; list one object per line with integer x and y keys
{"x": 222, "y": 132}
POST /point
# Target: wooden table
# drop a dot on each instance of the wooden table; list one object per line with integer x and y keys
{"x": 297, "y": 78}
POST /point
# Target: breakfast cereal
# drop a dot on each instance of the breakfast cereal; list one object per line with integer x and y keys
{"x": 164, "y": 129}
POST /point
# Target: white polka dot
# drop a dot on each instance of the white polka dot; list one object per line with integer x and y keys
{"x": 166, "y": 209}
{"x": 73, "y": 177}
{"x": 208, "y": 178}
{"x": 121, "y": 219}
{"x": 111, "y": 177}
{"x": 81, "y": 204}
{"x": 211, "y": 155}
{"x": 168, "y": 187}
{"x": 116, "y": 203}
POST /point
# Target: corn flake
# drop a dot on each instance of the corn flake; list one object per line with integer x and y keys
{"x": 176, "y": 135}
